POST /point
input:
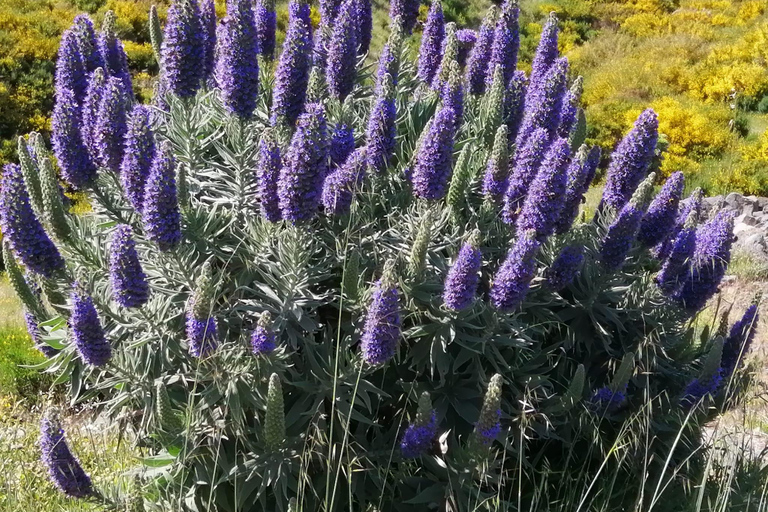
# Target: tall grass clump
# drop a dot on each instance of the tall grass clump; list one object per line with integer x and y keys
{"x": 349, "y": 287}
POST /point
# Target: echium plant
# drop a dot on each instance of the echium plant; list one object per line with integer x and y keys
{"x": 304, "y": 304}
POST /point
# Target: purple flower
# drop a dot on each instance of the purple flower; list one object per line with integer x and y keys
{"x": 329, "y": 11}
{"x": 527, "y": 162}
{"x": 342, "y": 144}
{"x": 237, "y": 70}
{"x": 622, "y": 232}
{"x": 630, "y": 161}
{"x": 570, "y": 109}
{"x": 380, "y": 136}
{"x": 300, "y": 183}
{"x": 86, "y": 331}
{"x": 113, "y": 55}
{"x": 418, "y": 438}
{"x": 678, "y": 262}
{"x": 201, "y": 335}
{"x": 480, "y": 56}
{"x": 430, "y": 52}
{"x": 90, "y": 111}
{"x": 699, "y": 388}
{"x": 467, "y": 39}
{"x": 662, "y": 214}
{"x": 184, "y": 49}
{"x": 511, "y": 283}
{"x": 506, "y": 42}
{"x": 208, "y": 28}
{"x": 266, "y": 27}
{"x": 546, "y": 54}
{"x": 139, "y": 153}
{"x": 542, "y": 109}
{"x": 340, "y": 186}
{"x": 541, "y": 208}
{"x": 739, "y": 340}
{"x": 128, "y": 280}
{"x": 161, "y": 216}
{"x": 292, "y": 73}
{"x": 452, "y": 94}
{"x": 432, "y": 169}
{"x": 34, "y": 332}
{"x": 63, "y": 468}
{"x": 606, "y": 399}
{"x": 70, "y": 70}
{"x": 109, "y": 132}
{"x": 75, "y": 164}
{"x": 382, "y": 323}
{"x": 514, "y": 108}
{"x": 565, "y": 268}
{"x": 263, "y": 337}
{"x": 690, "y": 206}
{"x": 581, "y": 172}
{"x": 463, "y": 278}
{"x": 709, "y": 262}
{"x": 364, "y": 25}
{"x": 267, "y": 173}
{"x": 496, "y": 180}
{"x": 407, "y": 11}
{"x": 488, "y": 426}
{"x": 341, "y": 69}
{"x": 82, "y": 26}
{"x": 19, "y": 225}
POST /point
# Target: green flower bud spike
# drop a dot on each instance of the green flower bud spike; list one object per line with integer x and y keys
{"x": 317, "y": 89}
{"x": 351, "y": 278}
{"x": 573, "y": 394}
{"x": 155, "y": 33}
{"x": 450, "y": 55}
{"x": 54, "y": 213}
{"x": 493, "y": 105}
{"x": 31, "y": 175}
{"x": 274, "y": 422}
{"x": 488, "y": 427}
{"x": 201, "y": 302}
{"x": 418, "y": 257}
{"x": 624, "y": 373}
{"x": 19, "y": 284}
{"x": 166, "y": 417}
{"x": 711, "y": 365}
{"x": 462, "y": 176}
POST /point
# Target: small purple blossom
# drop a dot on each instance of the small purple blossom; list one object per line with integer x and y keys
{"x": 128, "y": 280}
{"x": 506, "y": 42}
{"x": 527, "y": 160}
{"x": 341, "y": 69}
{"x": 139, "y": 153}
{"x": 565, "y": 268}
{"x": 511, "y": 283}
{"x": 342, "y": 144}
{"x": 109, "y": 132}
{"x": 201, "y": 335}
{"x": 480, "y": 56}
{"x": 690, "y": 206}
{"x": 183, "y": 49}
{"x": 263, "y": 337}
{"x": 292, "y": 73}
{"x": 86, "y": 331}
{"x": 161, "y": 216}
{"x": 266, "y": 27}
{"x": 606, "y": 399}
{"x": 662, "y": 214}
{"x": 64, "y": 469}
{"x": 418, "y": 438}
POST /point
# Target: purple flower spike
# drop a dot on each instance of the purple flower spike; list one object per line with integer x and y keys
{"x": 183, "y": 49}
{"x": 543, "y": 205}
{"x": 340, "y": 186}
{"x": 421, "y": 433}
{"x": 128, "y": 280}
{"x": 109, "y": 132}
{"x": 464, "y": 276}
{"x": 139, "y": 153}
{"x": 488, "y": 426}
{"x": 581, "y": 172}
{"x": 33, "y": 329}
{"x": 380, "y": 136}
{"x": 546, "y": 54}
{"x": 467, "y": 39}
{"x": 364, "y": 26}
{"x": 622, "y": 232}
{"x": 208, "y": 26}
{"x": 527, "y": 162}
{"x": 341, "y": 69}
{"x": 75, "y": 164}
{"x": 630, "y": 161}
{"x": 514, "y": 109}
{"x": 301, "y": 178}
{"x": 161, "y": 216}
{"x": 263, "y": 337}
{"x": 570, "y": 110}
{"x": 201, "y": 335}
{"x": 70, "y": 70}
{"x": 480, "y": 56}
{"x": 382, "y": 323}
{"x": 113, "y": 55}
{"x": 565, "y": 268}
{"x": 709, "y": 262}
{"x": 542, "y": 109}
{"x": 82, "y": 26}
{"x": 64, "y": 469}
{"x": 267, "y": 173}
{"x": 677, "y": 264}
{"x": 292, "y": 73}
{"x": 452, "y": 94}
{"x": 86, "y": 331}
{"x": 511, "y": 283}
{"x": 342, "y": 144}
{"x": 739, "y": 340}
{"x": 90, "y": 111}
{"x": 430, "y": 52}
{"x": 329, "y": 11}
{"x": 26, "y": 236}
{"x": 407, "y": 11}
{"x": 237, "y": 70}
{"x": 432, "y": 169}
{"x": 662, "y": 214}
{"x": 266, "y": 27}
{"x": 506, "y": 43}
{"x": 606, "y": 399}
{"x": 690, "y": 206}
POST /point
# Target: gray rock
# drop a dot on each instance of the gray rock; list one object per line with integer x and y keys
{"x": 734, "y": 200}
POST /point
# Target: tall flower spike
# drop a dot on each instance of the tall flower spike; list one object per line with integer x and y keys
{"x": 18, "y": 282}
{"x": 492, "y": 109}
{"x": 274, "y": 422}
{"x": 527, "y": 160}
{"x": 662, "y": 213}
{"x": 709, "y": 380}
{"x": 511, "y": 283}
{"x": 380, "y": 136}
{"x": 565, "y": 268}
{"x": 739, "y": 340}
{"x": 382, "y": 323}
{"x": 300, "y": 183}
{"x": 139, "y": 153}
{"x": 467, "y": 39}
{"x": 64, "y": 469}
{"x": 506, "y": 42}
{"x": 128, "y": 280}
{"x": 463, "y": 278}
{"x": 22, "y": 229}
{"x": 184, "y": 49}
{"x": 237, "y": 70}
{"x": 317, "y": 88}
{"x": 75, "y": 164}
{"x": 329, "y": 11}
{"x": 156, "y": 34}
{"x": 420, "y": 434}
{"x": 342, "y": 53}
{"x": 160, "y": 214}
{"x": 709, "y": 262}
{"x": 266, "y": 27}
{"x": 292, "y": 73}
{"x": 488, "y": 426}
{"x": 54, "y": 214}
{"x": 546, "y": 54}
{"x": 496, "y": 178}
{"x": 404, "y": 12}
{"x": 678, "y": 262}
{"x": 109, "y": 132}
{"x": 514, "y": 108}
{"x": 542, "y": 109}
{"x": 113, "y": 55}
{"x": 570, "y": 109}
{"x": 480, "y": 56}
{"x": 33, "y": 329}
{"x": 208, "y": 27}
{"x": 364, "y": 14}
{"x": 622, "y": 232}
{"x": 460, "y": 180}
{"x": 86, "y": 331}
{"x": 82, "y": 26}
{"x": 70, "y": 70}
{"x": 341, "y": 185}
{"x": 90, "y": 111}
{"x": 431, "y": 43}
{"x": 168, "y": 420}
{"x": 581, "y": 172}
{"x": 263, "y": 337}
{"x": 692, "y": 205}
{"x": 630, "y": 161}
{"x": 452, "y": 94}
{"x": 200, "y": 324}
{"x": 267, "y": 172}
{"x": 432, "y": 169}
{"x": 450, "y": 53}
{"x": 31, "y": 174}
{"x": 389, "y": 59}
{"x": 543, "y": 205}
{"x": 417, "y": 258}
{"x": 342, "y": 144}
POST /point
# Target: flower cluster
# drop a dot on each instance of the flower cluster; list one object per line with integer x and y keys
{"x": 511, "y": 283}
{"x": 129, "y": 283}
{"x": 263, "y": 337}
{"x": 63, "y": 468}
{"x": 237, "y": 71}
{"x": 160, "y": 211}
{"x": 565, "y": 268}
{"x": 431, "y": 43}
{"x": 464, "y": 276}
{"x": 420, "y": 435}
{"x": 381, "y": 331}
{"x": 86, "y": 330}
{"x": 184, "y": 49}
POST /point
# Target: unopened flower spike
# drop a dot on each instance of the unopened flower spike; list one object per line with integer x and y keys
{"x": 417, "y": 258}
{"x": 450, "y": 54}
{"x": 421, "y": 433}
{"x": 488, "y": 426}
{"x": 274, "y": 422}
{"x": 710, "y": 380}
{"x": 496, "y": 178}
{"x": 168, "y": 420}
{"x": 263, "y": 337}
{"x": 201, "y": 326}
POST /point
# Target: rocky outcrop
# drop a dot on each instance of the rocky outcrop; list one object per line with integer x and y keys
{"x": 750, "y": 221}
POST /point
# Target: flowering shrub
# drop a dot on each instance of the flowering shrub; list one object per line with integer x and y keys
{"x": 312, "y": 284}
